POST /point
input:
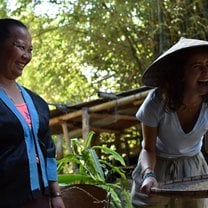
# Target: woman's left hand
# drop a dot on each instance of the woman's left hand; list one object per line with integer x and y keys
{"x": 147, "y": 184}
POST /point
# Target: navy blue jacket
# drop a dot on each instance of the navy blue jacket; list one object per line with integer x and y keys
{"x": 19, "y": 145}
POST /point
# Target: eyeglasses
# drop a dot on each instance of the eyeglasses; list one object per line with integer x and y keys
{"x": 22, "y": 47}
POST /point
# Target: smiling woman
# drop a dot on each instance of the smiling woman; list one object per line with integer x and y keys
{"x": 174, "y": 119}
{"x": 15, "y": 58}
{"x": 27, "y": 149}
{"x": 197, "y": 69}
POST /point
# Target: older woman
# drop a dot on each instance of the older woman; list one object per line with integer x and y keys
{"x": 27, "y": 152}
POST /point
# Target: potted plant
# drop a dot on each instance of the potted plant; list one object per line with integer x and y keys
{"x": 84, "y": 166}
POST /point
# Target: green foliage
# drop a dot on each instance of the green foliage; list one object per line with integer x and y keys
{"x": 87, "y": 46}
{"x": 89, "y": 168}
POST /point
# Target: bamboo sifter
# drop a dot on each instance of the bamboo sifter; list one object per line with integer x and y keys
{"x": 196, "y": 187}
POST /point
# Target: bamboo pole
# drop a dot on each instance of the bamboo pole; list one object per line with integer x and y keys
{"x": 106, "y": 105}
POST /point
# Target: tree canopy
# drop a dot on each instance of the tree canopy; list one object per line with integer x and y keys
{"x": 85, "y": 46}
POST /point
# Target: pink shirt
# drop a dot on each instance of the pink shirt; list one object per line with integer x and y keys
{"x": 24, "y": 111}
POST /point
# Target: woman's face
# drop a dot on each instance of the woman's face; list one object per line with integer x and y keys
{"x": 16, "y": 53}
{"x": 196, "y": 73}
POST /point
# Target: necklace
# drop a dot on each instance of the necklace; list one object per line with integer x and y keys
{"x": 192, "y": 107}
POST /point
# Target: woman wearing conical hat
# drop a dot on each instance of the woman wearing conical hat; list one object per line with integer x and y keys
{"x": 174, "y": 119}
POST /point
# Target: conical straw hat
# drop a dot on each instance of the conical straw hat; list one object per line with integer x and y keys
{"x": 152, "y": 74}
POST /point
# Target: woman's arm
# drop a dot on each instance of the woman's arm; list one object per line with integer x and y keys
{"x": 148, "y": 157}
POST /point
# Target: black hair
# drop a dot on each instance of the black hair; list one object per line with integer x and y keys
{"x": 6, "y": 24}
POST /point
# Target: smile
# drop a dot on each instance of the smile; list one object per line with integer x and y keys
{"x": 203, "y": 82}
{"x": 21, "y": 66}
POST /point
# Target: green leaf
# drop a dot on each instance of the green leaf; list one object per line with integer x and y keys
{"x": 115, "y": 169}
{"x": 88, "y": 140}
{"x": 74, "y": 178}
{"x": 96, "y": 164}
{"x": 113, "y": 154}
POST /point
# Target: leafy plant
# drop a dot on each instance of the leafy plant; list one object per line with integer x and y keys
{"x": 84, "y": 165}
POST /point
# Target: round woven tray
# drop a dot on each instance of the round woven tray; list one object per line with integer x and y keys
{"x": 193, "y": 186}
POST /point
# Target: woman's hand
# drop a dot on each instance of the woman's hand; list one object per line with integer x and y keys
{"x": 56, "y": 199}
{"x": 147, "y": 184}
{"x": 57, "y": 202}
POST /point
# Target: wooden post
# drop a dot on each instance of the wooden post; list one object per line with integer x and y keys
{"x": 66, "y": 136}
{"x": 59, "y": 147}
{"x": 85, "y": 122}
